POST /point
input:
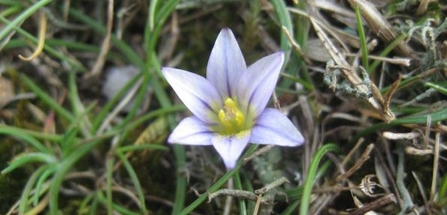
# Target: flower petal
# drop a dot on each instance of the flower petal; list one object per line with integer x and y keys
{"x": 197, "y": 93}
{"x": 273, "y": 127}
{"x": 257, "y": 84}
{"x": 191, "y": 131}
{"x": 230, "y": 147}
{"x": 226, "y": 64}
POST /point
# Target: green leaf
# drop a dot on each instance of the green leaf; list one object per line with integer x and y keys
{"x": 437, "y": 87}
{"x": 311, "y": 175}
{"x": 33, "y": 157}
{"x": 363, "y": 45}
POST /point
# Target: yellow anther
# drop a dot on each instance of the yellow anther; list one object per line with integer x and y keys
{"x": 231, "y": 118}
{"x": 230, "y": 104}
{"x": 240, "y": 118}
{"x": 223, "y": 118}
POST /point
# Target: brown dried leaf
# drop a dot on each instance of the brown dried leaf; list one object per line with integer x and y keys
{"x": 6, "y": 91}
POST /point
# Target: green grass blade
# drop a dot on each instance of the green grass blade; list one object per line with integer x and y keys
{"x": 46, "y": 98}
{"x": 10, "y": 3}
{"x": 310, "y": 179}
{"x": 284, "y": 19}
{"x": 135, "y": 181}
{"x": 49, "y": 171}
{"x": 238, "y": 186}
{"x": 47, "y": 48}
{"x": 75, "y": 101}
{"x": 64, "y": 168}
{"x": 247, "y": 184}
{"x": 87, "y": 204}
{"x": 109, "y": 174}
{"x": 385, "y": 52}
{"x": 9, "y": 11}
{"x": 21, "y": 135}
{"x": 442, "y": 194}
{"x": 148, "y": 146}
{"x": 437, "y": 87}
{"x": 33, "y": 157}
{"x": 291, "y": 208}
{"x": 437, "y": 116}
{"x": 28, "y": 188}
{"x": 151, "y": 18}
{"x": 70, "y": 45}
{"x": 125, "y": 49}
{"x": 69, "y": 141}
{"x": 361, "y": 32}
{"x": 120, "y": 209}
{"x": 22, "y": 17}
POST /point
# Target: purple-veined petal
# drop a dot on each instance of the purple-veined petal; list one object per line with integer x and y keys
{"x": 226, "y": 64}
{"x": 257, "y": 84}
{"x": 230, "y": 147}
{"x": 273, "y": 127}
{"x": 197, "y": 93}
{"x": 191, "y": 131}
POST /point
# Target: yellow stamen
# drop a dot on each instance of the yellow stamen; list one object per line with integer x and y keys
{"x": 231, "y": 118}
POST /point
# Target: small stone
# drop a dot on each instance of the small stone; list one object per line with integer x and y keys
{"x": 116, "y": 79}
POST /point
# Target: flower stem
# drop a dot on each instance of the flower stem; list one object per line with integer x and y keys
{"x": 229, "y": 200}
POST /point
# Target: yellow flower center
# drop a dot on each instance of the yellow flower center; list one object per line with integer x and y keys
{"x": 232, "y": 120}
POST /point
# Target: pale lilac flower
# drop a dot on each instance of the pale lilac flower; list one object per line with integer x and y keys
{"x": 229, "y": 106}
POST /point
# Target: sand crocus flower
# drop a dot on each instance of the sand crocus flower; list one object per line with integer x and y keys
{"x": 229, "y": 106}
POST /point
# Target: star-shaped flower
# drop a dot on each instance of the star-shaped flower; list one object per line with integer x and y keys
{"x": 229, "y": 106}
